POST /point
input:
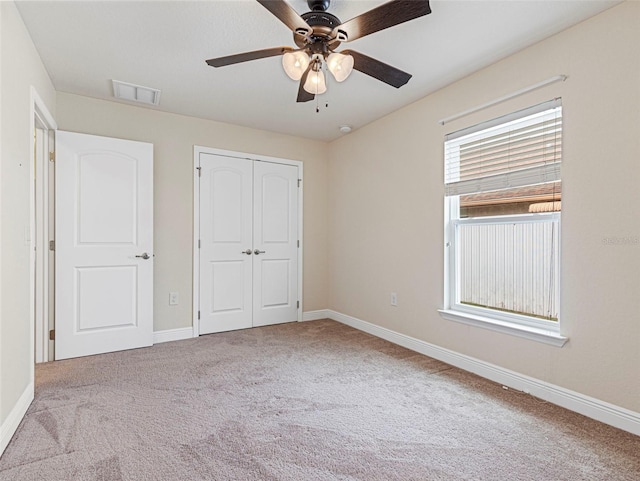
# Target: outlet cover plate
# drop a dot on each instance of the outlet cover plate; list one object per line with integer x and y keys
{"x": 173, "y": 299}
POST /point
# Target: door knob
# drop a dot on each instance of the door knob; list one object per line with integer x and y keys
{"x": 256, "y": 252}
{"x": 248, "y": 252}
{"x": 144, "y": 255}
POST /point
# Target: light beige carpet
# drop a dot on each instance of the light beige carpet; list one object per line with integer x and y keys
{"x": 307, "y": 401}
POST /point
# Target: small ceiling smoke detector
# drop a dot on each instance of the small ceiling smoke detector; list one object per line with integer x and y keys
{"x": 345, "y": 129}
{"x": 135, "y": 93}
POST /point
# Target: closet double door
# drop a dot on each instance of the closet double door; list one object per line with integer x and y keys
{"x": 248, "y": 266}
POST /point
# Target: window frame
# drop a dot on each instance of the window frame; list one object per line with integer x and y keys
{"x": 521, "y": 325}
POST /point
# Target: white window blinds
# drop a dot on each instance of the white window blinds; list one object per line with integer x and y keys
{"x": 519, "y": 149}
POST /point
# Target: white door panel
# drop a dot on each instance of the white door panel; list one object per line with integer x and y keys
{"x": 99, "y": 311}
{"x": 110, "y": 176}
{"x": 104, "y": 219}
{"x": 225, "y": 235}
{"x": 275, "y": 232}
{"x": 248, "y": 246}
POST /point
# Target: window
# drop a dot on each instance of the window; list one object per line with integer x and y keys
{"x": 502, "y": 223}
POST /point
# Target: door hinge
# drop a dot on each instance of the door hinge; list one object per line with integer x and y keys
{"x": 299, "y": 180}
{"x": 199, "y": 243}
{"x": 198, "y": 314}
{"x": 52, "y": 335}
{"x": 52, "y": 245}
{"x": 298, "y": 305}
{"x": 52, "y": 156}
{"x": 298, "y": 243}
{"x": 199, "y": 171}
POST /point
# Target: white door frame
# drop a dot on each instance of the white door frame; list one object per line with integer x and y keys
{"x": 39, "y": 228}
{"x": 197, "y": 150}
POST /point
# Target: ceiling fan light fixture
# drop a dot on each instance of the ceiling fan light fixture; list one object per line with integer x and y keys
{"x": 295, "y": 64}
{"x": 340, "y": 66}
{"x": 315, "y": 83}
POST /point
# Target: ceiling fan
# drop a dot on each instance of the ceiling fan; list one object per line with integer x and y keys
{"x": 318, "y": 34}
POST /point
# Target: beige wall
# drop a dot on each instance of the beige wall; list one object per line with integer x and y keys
{"x": 173, "y": 137}
{"x": 386, "y": 210}
{"x": 21, "y": 69}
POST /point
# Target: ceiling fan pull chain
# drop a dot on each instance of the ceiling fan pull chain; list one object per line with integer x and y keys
{"x": 317, "y": 103}
{"x": 326, "y": 104}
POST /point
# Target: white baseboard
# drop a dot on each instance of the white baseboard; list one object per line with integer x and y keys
{"x": 172, "y": 335}
{"x": 602, "y": 411}
{"x": 10, "y": 425}
{"x": 316, "y": 315}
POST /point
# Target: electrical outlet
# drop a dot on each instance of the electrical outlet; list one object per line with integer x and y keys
{"x": 394, "y": 299}
{"x": 173, "y": 298}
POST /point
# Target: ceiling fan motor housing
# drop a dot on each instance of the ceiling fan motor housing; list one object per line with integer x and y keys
{"x": 322, "y": 24}
{"x": 321, "y": 19}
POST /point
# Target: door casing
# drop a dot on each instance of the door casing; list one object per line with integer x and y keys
{"x": 197, "y": 150}
{"x": 41, "y": 229}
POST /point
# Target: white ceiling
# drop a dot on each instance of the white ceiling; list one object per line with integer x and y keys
{"x": 164, "y": 45}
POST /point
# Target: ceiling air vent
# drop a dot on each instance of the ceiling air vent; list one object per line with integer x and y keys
{"x": 135, "y": 93}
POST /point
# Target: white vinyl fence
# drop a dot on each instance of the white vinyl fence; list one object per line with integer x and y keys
{"x": 510, "y": 266}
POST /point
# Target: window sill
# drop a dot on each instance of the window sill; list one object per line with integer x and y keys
{"x": 527, "y": 332}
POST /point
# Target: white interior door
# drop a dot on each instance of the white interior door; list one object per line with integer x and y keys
{"x": 226, "y": 195}
{"x": 248, "y": 259}
{"x": 104, "y": 245}
{"x": 275, "y": 242}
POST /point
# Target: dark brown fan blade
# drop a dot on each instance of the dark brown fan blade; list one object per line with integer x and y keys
{"x": 303, "y": 95}
{"x": 246, "y": 56}
{"x": 386, "y": 15}
{"x": 287, "y": 15}
{"x": 377, "y": 69}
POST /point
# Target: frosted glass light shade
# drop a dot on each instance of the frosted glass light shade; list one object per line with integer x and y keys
{"x": 295, "y": 64}
{"x": 340, "y": 65}
{"x": 315, "y": 83}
